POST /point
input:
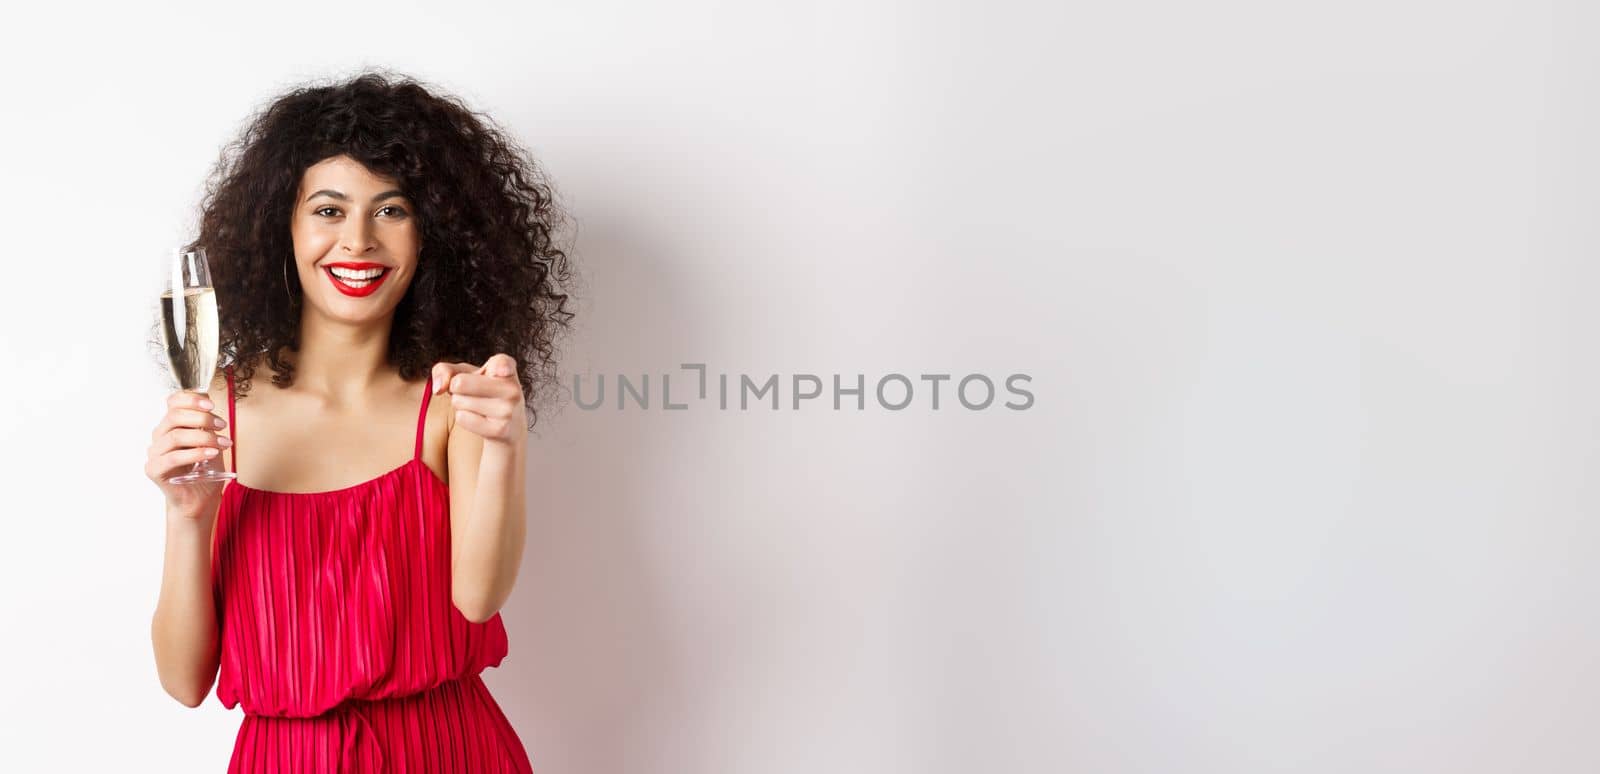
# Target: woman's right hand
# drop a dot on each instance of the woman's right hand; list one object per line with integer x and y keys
{"x": 186, "y": 435}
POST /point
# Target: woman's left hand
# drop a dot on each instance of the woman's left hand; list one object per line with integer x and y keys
{"x": 488, "y": 398}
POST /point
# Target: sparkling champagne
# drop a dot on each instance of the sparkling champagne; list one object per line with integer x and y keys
{"x": 191, "y": 329}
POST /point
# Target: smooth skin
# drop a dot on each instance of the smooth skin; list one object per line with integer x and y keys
{"x": 348, "y": 418}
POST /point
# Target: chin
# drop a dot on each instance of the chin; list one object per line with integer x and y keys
{"x": 355, "y": 310}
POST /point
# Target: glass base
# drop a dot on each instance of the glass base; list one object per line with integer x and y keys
{"x": 203, "y": 475}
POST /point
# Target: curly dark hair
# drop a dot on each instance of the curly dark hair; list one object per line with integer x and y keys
{"x": 491, "y": 275}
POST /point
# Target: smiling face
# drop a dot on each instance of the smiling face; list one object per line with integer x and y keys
{"x": 355, "y": 240}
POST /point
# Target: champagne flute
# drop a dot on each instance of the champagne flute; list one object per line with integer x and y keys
{"x": 189, "y": 316}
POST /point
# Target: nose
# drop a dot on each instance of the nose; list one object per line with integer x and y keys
{"x": 356, "y": 238}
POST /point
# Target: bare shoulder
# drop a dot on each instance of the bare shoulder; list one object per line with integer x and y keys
{"x": 218, "y": 391}
{"x": 436, "y": 434}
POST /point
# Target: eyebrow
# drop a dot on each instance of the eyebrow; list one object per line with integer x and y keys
{"x": 389, "y": 194}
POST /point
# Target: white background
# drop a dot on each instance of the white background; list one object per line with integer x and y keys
{"x": 1304, "y": 289}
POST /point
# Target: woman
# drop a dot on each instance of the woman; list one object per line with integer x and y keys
{"x": 384, "y": 256}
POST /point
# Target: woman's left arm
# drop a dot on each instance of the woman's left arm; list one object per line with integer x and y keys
{"x": 487, "y": 452}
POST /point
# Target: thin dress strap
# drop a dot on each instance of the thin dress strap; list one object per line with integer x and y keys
{"x": 233, "y": 427}
{"x": 422, "y": 415}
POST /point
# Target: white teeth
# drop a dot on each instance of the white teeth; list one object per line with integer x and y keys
{"x": 353, "y": 274}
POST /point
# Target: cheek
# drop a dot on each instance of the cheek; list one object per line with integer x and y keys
{"x": 311, "y": 243}
{"x": 410, "y": 240}
{"x": 407, "y": 246}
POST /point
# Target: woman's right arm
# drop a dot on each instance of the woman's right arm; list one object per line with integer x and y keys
{"x": 183, "y": 630}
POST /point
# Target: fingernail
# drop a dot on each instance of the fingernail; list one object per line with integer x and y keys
{"x": 223, "y": 441}
{"x": 219, "y": 422}
{"x": 205, "y": 404}
{"x": 210, "y": 452}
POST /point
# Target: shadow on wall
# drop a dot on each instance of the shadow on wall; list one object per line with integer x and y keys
{"x": 591, "y": 671}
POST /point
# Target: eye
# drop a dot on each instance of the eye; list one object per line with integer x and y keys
{"x": 398, "y": 212}
{"x": 325, "y": 209}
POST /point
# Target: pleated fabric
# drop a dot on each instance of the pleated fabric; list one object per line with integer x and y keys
{"x": 338, "y": 634}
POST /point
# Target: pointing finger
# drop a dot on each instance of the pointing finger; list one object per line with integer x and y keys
{"x": 443, "y": 372}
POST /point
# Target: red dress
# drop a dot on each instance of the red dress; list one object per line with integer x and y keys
{"x": 338, "y": 634}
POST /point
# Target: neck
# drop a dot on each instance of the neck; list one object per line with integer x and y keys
{"x": 339, "y": 361}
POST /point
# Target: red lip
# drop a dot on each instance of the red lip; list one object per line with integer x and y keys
{"x": 369, "y": 289}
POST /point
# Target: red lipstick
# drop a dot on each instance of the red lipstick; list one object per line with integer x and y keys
{"x": 365, "y": 290}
